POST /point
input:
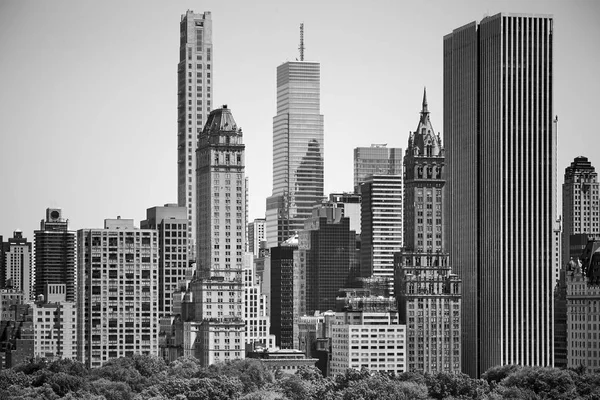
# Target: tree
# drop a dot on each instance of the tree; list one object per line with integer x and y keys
{"x": 548, "y": 382}
{"x": 446, "y": 384}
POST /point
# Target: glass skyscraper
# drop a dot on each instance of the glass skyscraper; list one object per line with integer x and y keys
{"x": 297, "y": 150}
{"x": 501, "y": 186}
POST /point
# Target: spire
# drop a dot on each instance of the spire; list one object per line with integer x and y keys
{"x": 301, "y": 48}
{"x": 424, "y": 110}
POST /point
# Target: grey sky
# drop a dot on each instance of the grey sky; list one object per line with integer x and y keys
{"x": 88, "y": 91}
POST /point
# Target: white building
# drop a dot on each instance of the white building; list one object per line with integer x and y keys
{"x": 367, "y": 334}
{"x": 55, "y": 325}
{"x": 118, "y": 276}
{"x": 258, "y": 323}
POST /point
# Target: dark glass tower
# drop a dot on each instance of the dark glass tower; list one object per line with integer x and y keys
{"x": 55, "y": 254}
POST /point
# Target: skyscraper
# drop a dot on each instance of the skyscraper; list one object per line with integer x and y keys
{"x": 375, "y": 160}
{"x": 381, "y": 220}
{"x": 580, "y": 203}
{"x": 194, "y": 93}
{"x": 429, "y": 295}
{"x": 16, "y": 268}
{"x": 501, "y": 186}
{"x": 55, "y": 254}
{"x": 297, "y": 150}
{"x": 218, "y": 293}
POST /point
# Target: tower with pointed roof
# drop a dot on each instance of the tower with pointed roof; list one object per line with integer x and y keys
{"x": 428, "y": 293}
{"x": 217, "y": 292}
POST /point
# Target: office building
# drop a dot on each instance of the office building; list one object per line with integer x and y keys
{"x": 55, "y": 325}
{"x": 328, "y": 259}
{"x": 55, "y": 254}
{"x": 314, "y": 338}
{"x": 117, "y": 294}
{"x": 218, "y": 291}
{"x": 171, "y": 223}
{"x": 375, "y": 160}
{"x": 297, "y": 150}
{"x": 500, "y": 146}
{"x": 17, "y": 336}
{"x": 366, "y": 333}
{"x": 17, "y": 270}
{"x": 256, "y": 235}
{"x": 283, "y": 292}
{"x": 194, "y": 94}
{"x": 580, "y": 203}
{"x": 429, "y": 295}
{"x": 381, "y": 219}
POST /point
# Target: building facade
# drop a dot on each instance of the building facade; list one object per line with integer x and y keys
{"x": 256, "y": 235}
{"x": 55, "y": 325}
{"x": 580, "y": 203}
{"x": 218, "y": 291}
{"x": 194, "y": 94}
{"x": 17, "y": 271}
{"x": 283, "y": 297}
{"x": 298, "y": 147}
{"x": 366, "y": 333}
{"x": 500, "y": 145}
{"x": 349, "y": 204}
{"x": 117, "y": 294}
{"x": 55, "y": 254}
{"x": 381, "y": 219}
{"x": 583, "y": 309}
{"x": 375, "y": 160}
{"x": 258, "y": 323}
{"x": 171, "y": 223}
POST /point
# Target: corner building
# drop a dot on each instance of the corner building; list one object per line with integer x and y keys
{"x": 501, "y": 186}
{"x": 218, "y": 291}
{"x": 297, "y": 150}
{"x": 194, "y": 93}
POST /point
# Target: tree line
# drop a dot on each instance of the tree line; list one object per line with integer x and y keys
{"x": 146, "y": 377}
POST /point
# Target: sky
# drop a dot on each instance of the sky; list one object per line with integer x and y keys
{"x": 88, "y": 91}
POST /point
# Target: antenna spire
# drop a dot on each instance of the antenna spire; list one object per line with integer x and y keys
{"x": 301, "y": 48}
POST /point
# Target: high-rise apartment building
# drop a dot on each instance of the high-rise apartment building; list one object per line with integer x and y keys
{"x": 117, "y": 292}
{"x": 283, "y": 291}
{"x": 580, "y": 203}
{"x": 375, "y": 160}
{"x": 429, "y": 295}
{"x": 381, "y": 219}
{"x": 17, "y": 270}
{"x": 171, "y": 223}
{"x": 297, "y": 150}
{"x": 218, "y": 293}
{"x": 194, "y": 94}
{"x": 55, "y": 254}
{"x": 258, "y": 323}
{"x": 501, "y": 186}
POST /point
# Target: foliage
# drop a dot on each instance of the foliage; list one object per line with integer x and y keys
{"x": 147, "y": 377}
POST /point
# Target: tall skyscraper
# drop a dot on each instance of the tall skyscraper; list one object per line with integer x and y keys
{"x": 55, "y": 254}
{"x": 501, "y": 186}
{"x": 429, "y": 295}
{"x": 297, "y": 150}
{"x": 381, "y": 220}
{"x": 117, "y": 293}
{"x": 194, "y": 93}
{"x": 375, "y": 160}
{"x": 218, "y": 293}
{"x": 172, "y": 225}
{"x": 283, "y": 293}
{"x": 16, "y": 268}
{"x": 580, "y": 203}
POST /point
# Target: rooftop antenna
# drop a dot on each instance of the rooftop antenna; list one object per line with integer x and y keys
{"x": 301, "y": 48}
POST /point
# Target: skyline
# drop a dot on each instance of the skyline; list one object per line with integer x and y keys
{"x": 99, "y": 98}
